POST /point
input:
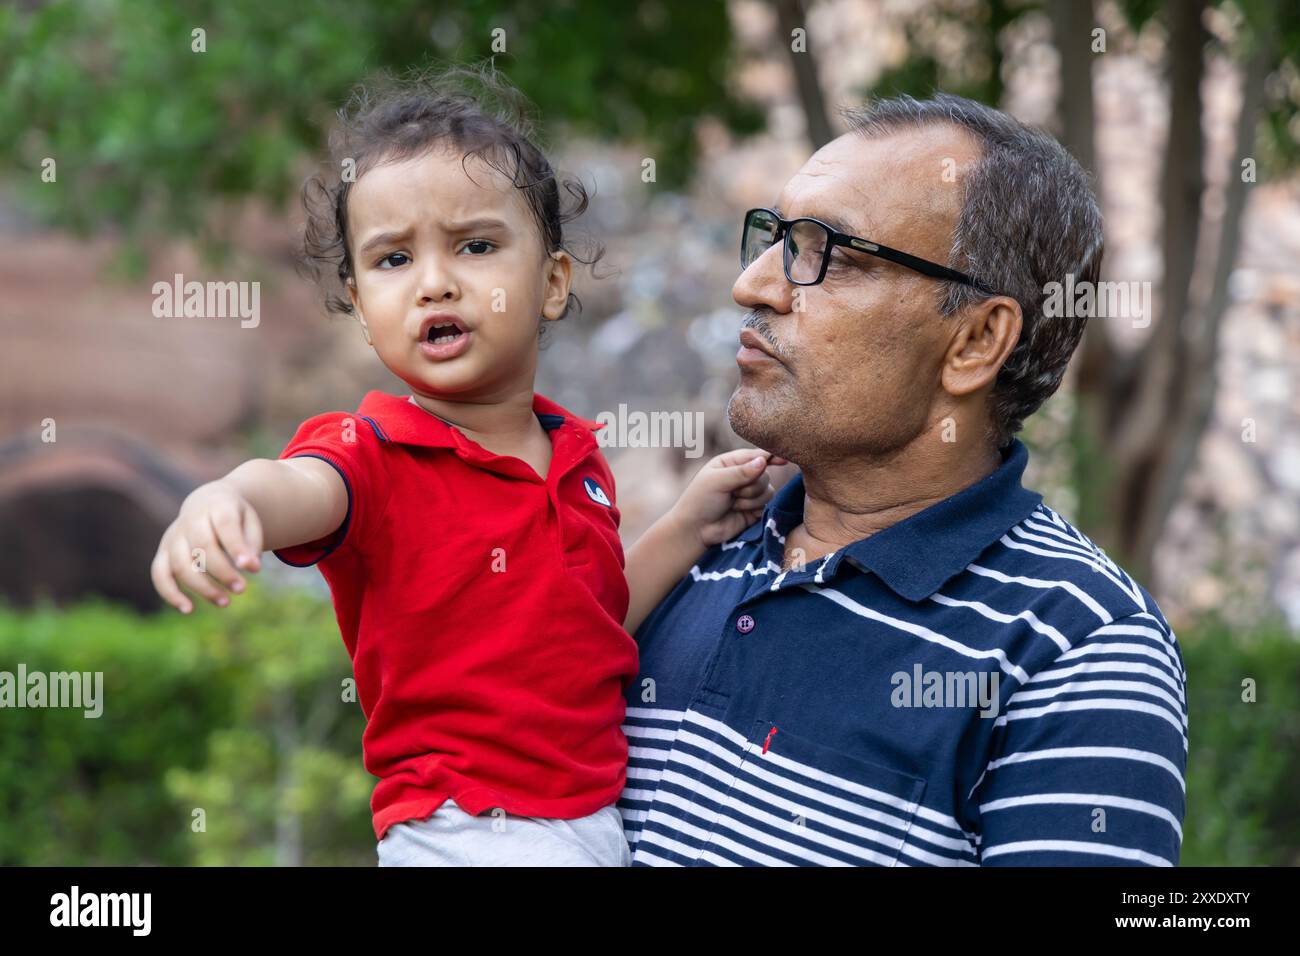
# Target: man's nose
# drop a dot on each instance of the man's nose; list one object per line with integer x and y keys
{"x": 764, "y": 283}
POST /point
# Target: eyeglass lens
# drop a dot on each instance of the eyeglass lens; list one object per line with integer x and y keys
{"x": 803, "y": 251}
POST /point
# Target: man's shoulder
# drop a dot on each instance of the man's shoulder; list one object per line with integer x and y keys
{"x": 1065, "y": 578}
{"x": 1043, "y": 567}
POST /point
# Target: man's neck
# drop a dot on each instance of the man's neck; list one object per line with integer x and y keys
{"x": 848, "y": 500}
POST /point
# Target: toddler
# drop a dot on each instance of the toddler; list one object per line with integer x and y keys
{"x": 468, "y": 528}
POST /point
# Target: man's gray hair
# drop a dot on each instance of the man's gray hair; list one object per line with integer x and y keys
{"x": 1028, "y": 218}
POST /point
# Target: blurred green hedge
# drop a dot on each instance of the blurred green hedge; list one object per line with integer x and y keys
{"x": 1243, "y": 764}
{"x": 239, "y": 713}
{"x": 235, "y": 713}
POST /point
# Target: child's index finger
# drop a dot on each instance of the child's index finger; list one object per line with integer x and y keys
{"x": 773, "y": 459}
{"x": 738, "y": 456}
{"x": 250, "y": 558}
{"x": 230, "y": 534}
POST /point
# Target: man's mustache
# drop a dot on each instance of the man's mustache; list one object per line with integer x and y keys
{"x": 757, "y": 320}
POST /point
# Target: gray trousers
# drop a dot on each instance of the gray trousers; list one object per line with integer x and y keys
{"x": 452, "y": 837}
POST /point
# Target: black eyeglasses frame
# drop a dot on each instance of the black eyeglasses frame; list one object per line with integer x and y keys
{"x": 836, "y": 238}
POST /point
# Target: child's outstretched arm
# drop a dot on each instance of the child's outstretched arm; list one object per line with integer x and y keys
{"x": 261, "y": 506}
{"x": 726, "y": 496}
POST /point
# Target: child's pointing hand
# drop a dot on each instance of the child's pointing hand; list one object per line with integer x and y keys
{"x": 216, "y": 534}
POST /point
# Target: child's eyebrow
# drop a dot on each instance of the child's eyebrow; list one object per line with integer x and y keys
{"x": 383, "y": 239}
{"x": 474, "y": 225}
{"x": 469, "y": 225}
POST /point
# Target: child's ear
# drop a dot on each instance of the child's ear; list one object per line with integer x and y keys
{"x": 356, "y": 310}
{"x": 559, "y": 278}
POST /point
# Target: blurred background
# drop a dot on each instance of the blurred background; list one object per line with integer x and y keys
{"x": 146, "y": 139}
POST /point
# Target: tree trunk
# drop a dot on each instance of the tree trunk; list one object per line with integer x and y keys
{"x": 288, "y": 822}
{"x": 789, "y": 16}
{"x": 1193, "y": 405}
{"x": 1148, "y": 390}
{"x": 1072, "y": 25}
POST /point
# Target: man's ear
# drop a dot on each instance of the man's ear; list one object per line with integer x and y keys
{"x": 985, "y": 338}
{"x": 559, "y": 279}
{"x": 356, "y": 310}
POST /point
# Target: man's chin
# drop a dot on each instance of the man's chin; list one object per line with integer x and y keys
{"x": 752, "y": 420}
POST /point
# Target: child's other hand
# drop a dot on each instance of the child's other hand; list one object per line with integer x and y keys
{"x": 726, "y": 496}
{"x": 217, "y": 522}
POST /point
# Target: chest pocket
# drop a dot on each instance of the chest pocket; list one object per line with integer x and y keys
{"x": 805, "y": 804}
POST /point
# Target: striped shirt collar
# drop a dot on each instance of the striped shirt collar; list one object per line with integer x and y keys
{"x": 919, "y": 554}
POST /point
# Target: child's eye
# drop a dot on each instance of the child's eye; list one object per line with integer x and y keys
{"x": 479, "y": 247}
{"x": 391, "y": 255}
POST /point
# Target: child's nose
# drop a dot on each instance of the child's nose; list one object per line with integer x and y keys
{"x": 438, "y": 281}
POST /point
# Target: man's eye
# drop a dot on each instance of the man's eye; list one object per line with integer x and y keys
{"x": 840, "y": 261}
{"x": 479, "y": 247}
{"x": 390, "y": 256}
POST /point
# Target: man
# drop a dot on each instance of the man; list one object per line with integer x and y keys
{"x": 910, "y": 659}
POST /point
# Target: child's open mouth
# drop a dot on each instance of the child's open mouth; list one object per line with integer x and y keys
{"x": 445, "y": 340}
{"x": 441, "y": 334}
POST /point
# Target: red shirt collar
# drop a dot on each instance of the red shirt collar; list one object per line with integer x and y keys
{"x": 398, "y": 419}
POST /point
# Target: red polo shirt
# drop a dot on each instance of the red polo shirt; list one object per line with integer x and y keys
{"x": 482, "y": 606}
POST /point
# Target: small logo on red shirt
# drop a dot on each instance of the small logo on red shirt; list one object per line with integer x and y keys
{"x": 595, "y": 492}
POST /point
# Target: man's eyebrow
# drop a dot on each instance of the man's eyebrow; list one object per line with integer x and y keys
{"x": 838, "y": 224}
{"x": 835, "y": 222}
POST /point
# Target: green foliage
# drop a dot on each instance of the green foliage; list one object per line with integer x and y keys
{"x": 150, "y": 135}
{"x": 977, "y": 74}
{"x": 1278, "y": 138}
{"x": 236, "y": 712}
{"x": 1244, "y": 758}
{"x": 1138, "y": 12}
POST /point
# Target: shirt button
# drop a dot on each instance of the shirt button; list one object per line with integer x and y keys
{"x": 744, "y": 624}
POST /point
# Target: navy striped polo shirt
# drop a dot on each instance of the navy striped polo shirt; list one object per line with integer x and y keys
{"x": 978, "y": 684}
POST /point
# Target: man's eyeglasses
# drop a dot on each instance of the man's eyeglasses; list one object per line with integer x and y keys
{"x": 808, "y": 247}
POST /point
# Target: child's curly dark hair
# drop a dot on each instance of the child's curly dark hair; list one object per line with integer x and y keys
{"x": 393, "y": 117}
